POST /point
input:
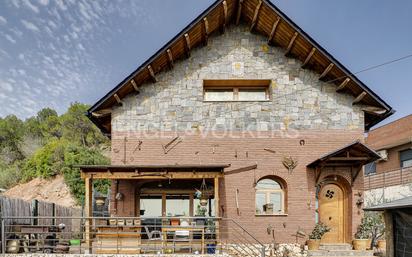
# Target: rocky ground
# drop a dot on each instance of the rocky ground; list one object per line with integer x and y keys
{"x": 48, "y": 190}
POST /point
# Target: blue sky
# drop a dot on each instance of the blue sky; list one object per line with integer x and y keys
{"x": 54, "y": 52}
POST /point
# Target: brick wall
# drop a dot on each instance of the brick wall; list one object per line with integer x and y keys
{"x": 242, "y": 150}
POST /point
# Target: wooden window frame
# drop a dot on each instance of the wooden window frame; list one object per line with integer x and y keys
{"x": 235, "y": 85}
{"x": 267, "y": 193}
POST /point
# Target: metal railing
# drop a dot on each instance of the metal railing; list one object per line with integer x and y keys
{"x": 128, "y": 235}
{"x": 389, "y": 178}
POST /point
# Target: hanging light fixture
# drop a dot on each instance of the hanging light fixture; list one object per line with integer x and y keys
{"x": 204, "y": 193}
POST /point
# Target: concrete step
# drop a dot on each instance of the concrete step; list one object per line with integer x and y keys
{"x": 339, "y": 253}
{"x": 342, "y": 246}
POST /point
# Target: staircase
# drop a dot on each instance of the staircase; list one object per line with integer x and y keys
{"x": 338, "y": 250}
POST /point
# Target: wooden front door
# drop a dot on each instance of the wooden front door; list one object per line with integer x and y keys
{"x": 331, "y": 212}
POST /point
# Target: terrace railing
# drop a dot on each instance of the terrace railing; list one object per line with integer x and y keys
{"x": 397, "y": 177}
{"x": 128, "y": 235}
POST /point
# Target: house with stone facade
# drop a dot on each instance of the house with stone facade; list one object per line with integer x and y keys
{"x": 242, "y": 113}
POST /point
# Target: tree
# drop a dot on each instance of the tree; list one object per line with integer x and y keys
{"x": 11, "y": 137}
{"x": 75, "y": 155}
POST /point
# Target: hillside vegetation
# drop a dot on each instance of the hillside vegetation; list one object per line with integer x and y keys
{"x": 47, "y": 144}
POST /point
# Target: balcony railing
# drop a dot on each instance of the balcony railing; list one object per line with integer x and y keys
{"x": 127, "y": 235}
{"x": 390, "y": 178}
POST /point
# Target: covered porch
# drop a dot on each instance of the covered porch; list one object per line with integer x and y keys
{"x": 156, "y": 208}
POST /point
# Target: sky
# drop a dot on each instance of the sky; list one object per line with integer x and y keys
{"x": 55, "y": 52}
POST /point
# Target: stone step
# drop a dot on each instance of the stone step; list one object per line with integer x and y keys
{"x": 339, "y": 253}
{"x": 341, "y": 246}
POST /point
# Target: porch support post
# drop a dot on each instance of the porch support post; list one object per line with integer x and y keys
{"x": 217, "y": 210}
{"x": 88, "y": 214}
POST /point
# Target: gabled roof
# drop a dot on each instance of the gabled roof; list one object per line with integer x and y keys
{"x": 354, "y": 154}
{"x": 264, "y": 18}
{"x": 396, "y": 204}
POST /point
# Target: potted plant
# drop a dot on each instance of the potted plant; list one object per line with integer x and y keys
{"x": 316, "y": 235}
{"x": 363, "y": 235}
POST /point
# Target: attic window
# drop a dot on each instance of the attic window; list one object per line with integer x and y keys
{"x": 236, "y": 90}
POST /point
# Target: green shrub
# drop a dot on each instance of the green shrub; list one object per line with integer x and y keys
{"x": 318, "y": 231}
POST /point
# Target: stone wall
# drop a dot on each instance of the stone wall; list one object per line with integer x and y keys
{"x": 298, "y": 99}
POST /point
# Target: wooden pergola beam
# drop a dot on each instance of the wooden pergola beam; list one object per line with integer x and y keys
{"x": 170, "y": 58}
{"x": 359, "y": 98}
{"x": 187, "y": 45}
{"x": 326, "y": 71}
{"x": 343, "y": 85}
{"x": 273, "y": 31}
{"x": 151, "y": 73}
{"x": 134, "y": 85}
{"x": 149, "y": 175}
{"x": 291, "y": 42}
{"x": 205, "y": 31}
{"x": 308, "y": 57}
{"x": 223, "y": 27}
{"x": 239, "y": 11}
{"x": 255, "y": 15}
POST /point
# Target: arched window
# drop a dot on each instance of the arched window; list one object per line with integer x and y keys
{"x": 270, "y": 197}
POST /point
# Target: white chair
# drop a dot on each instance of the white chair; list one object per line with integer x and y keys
{"x": 182, "y": 235}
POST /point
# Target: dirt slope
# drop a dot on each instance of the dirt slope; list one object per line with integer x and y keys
{"x": 51, "y": 190}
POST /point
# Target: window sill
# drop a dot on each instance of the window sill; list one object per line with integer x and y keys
{"x": 274, "y": 214}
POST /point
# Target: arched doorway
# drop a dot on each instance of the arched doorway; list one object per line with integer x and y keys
{"x": 332, "y": 197}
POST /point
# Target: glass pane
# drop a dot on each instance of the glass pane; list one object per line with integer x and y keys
{"x": 260, "y": 202}
{"x": 252, "y": 94}
{"x": 407, "y": 163}
{"x": 177, "y": 205}
{"x": 203, "y": 211}
{"x": 151, "y": 206}
{"x": 370, "y": 168}
{"x": 276, "y": 200}
{"x": 268, "y": 184}
{"x": 219, "y": 95}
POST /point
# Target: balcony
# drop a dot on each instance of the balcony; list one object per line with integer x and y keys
{"x": 397, "y": 177}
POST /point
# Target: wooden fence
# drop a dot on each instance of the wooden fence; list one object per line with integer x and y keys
{"x": 10, "y": 207}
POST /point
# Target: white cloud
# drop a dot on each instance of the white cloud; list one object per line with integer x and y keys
{"x": 30, "y": 6}
{"x": 61, "y": 5}
{"x": 2, "y": 20}
{"x": 21, "y": 57}
{"x": 10, "y": 38}
{"x": 30, "y": 26}
{"x": 44, "y": 2}
{"x": 6, "y": 86}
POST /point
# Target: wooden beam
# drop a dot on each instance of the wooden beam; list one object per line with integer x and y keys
{"x": 374, "y": 110}
{"x": 359, "y": 98}
{"x": 102, "y": 113}
{"x": 223, "y": 27}
{"x": 255, "y": 15}
{"x": 348, "y": 158}
{"x": 308, "y": 57}
{"x": 88, "y": 213}
{"x": 205, "y": 31}
{"x": 151, "y": 72}
{"x": 343, "y": 85}
{"x": 170, "y": 58}
{"x": 150, "y": 175}
{"x": 134, "y": 85}
{"x": 239, "y": 11}
{"x": 118, "y": 100}
{"x": 292, "y": 40}
{"x": 326, "y": 71}
{"x": 187, "y": 45}
{"x": 247, "y": 168}
{"x": 273, "y": 32}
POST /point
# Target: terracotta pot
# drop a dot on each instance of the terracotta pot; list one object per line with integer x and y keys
{"x": 382, "y": 244}
{"x": 313, "y": 244}
{"x": 360, "y": 244}
{"x": 369, "y": 246}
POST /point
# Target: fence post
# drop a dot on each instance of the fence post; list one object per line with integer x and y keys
{"x": 3, "y": 236}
